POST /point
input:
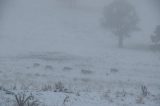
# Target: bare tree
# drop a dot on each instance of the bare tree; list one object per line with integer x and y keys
{"x": 121, "y": 19}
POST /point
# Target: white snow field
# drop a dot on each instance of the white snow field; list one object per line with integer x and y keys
{"x": 61, "y": 54}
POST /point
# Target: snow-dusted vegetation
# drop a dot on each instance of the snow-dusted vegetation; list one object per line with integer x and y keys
{"x": 58, "y": 53}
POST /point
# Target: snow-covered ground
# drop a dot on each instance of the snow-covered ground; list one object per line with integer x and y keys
{"x": 45, "y": 43}
{"x": 115, "y": 79}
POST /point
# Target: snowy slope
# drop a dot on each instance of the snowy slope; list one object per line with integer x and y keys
{"x": 111, "y": 80}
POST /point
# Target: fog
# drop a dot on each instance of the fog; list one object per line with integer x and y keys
{"x": 57, "y": 25}
{"x": 79, "y": 53}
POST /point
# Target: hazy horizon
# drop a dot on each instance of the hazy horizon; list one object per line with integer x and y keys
{"x": 51, "y": 25}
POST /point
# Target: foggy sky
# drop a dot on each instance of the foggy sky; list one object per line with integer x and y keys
{"x": 30, "y": 24}
{"x": 156, "y": 4}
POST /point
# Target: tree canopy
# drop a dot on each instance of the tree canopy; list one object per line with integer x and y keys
{"x": 120, "y": 18}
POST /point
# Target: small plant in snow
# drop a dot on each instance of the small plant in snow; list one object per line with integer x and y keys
{"x": 66, "y": 99}
{"x": 59, "y": 87}
{"x": 144, "y": 90}
{"x": 107, "y": 96}
{"x": 121, "y": 93}
{"x": 47, "y": 88}
{"x": 140, "y": 99}
{"x": 22, "y": 99}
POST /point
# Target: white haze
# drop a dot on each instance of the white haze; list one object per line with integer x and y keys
{"x": 61, "y": 53}
{"x": 52, "y": 25}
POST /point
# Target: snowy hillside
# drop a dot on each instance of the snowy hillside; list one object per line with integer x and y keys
{"x": 111, "y": 80}
{"x": 59, "y": 52}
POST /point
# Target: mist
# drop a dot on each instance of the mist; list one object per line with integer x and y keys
{"x": 53, "y": 25}
{"x": 79, "y": 53}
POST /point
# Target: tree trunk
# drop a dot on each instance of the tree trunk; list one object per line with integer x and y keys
{"x": 120, "y": 41}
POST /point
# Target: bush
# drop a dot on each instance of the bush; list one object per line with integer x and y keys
{"x": 59, "y": 87}
{"x": 48, "y": 67}
{"x": 67, "y": 68}
{"x": 36, "y": 65}
{"x": 114, "y": 70}
{"x": 84, "y": 71}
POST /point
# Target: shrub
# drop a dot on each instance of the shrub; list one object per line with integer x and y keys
{"x": 66, "y": 68}
{"x": 114, "y": 70}
{"x": 36, "y": 65}
{"x": 59, "y": 87}
{"x": 84, "y": 71}
{"x": 48, "y": 67}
